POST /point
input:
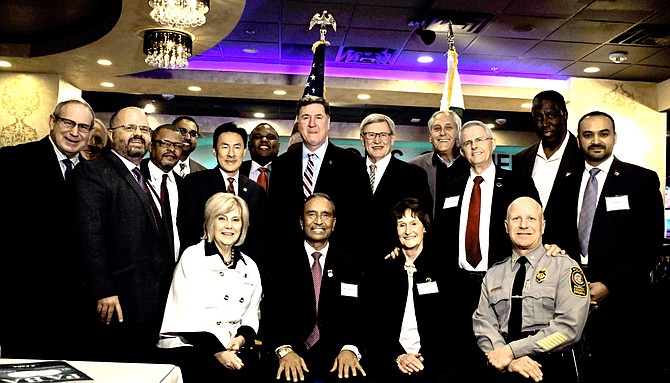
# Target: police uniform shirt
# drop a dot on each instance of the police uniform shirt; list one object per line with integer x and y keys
{"x": 555, "y": 304}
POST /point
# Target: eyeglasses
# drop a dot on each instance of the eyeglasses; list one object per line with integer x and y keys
{"x": 372, "y": 135}
{"x": 131, "y": 128}
{"x": 69, "y": 124}
{"x": 169, "y": 144}
{"x": 477, "y": 141}
{"x": 192, "y": 133}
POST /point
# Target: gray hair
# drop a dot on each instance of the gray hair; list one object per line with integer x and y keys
{"x": 377, "y": 117}
{"x": 472, "y": 123}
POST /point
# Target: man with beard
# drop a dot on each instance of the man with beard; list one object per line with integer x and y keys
{"x": 556, "y": 155}
{"x": 190, "y": 131}
{"x": 264, "y": 148}
{"x": 127, "y": 256}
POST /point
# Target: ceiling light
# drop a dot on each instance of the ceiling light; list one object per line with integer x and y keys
{"x": 167, "y": 49}
{"x": 428, "y": 37}
{"x": 259, "y": 115}
{"x": 250, "y": 50}
{"x": 425, "y": 59}
{"x": 591, "y": 69}
{"x": 179, "y": 13}
{"x": 501, "y": 121}
{"x": 363, "y": 96}
{"x": 104, "y": 62}
{"x": 618, "y": 57}
{"x": 415, "y": 120}
{"x": 149, "y": 108}
{"x": 279, "y": 92}
{"x": 107, "y": 84}
{"x": 491, "y": 126}
{"x": 5, "y": 64}
{"x": 194, "y": 88}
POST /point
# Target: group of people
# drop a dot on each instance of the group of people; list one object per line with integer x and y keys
{"x": 438, "y": 270}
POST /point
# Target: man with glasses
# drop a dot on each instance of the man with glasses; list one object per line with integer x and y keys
{"x": 128, "y": 258}
{"x": 190, "y": 132}
{"x": 469, "y": 224}
{"x": 43, "y": 276}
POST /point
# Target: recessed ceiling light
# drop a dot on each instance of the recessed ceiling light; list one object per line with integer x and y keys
{"x": 279, "y": 92}
{"x": 194, "y": 88}
{"x": 5, "y": 64}
{"x": 149, "y": 108}
{"x": 259, "y": 115}
{"x": 107, "y": 84}
{"x": 363, "y": 96}
{"x": 526, "y": 105}
{"x": 250, "y": 50}
{"x": 425, "y": 59}
{"x": 491, "y": 126}
{"x": 415, "y": 120}
{"x": 104, "y": 62}
{"x": 592, "y": 69}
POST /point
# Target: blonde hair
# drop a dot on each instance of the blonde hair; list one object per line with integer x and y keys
{"x": 223, "y": 203}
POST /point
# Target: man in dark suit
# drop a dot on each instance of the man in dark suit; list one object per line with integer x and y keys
{"x": 445, "y": 161}
{"x": 263, "y": 149}
{"x": 625, "y": 241}
{"x": 391, "y": 180}
{"x": 556, "y": 155}
{"x": 229, "y": 147}
{"x": 119, "y": 232}
{"x": 336, "y": 172}
{"x": 499, "y": 187}
{"x": 311, "y": 309}
{"x": 190, "y": 131}
{"x": 42, "y": 276}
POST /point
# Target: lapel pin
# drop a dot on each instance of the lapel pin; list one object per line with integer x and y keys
{"x": 330, "y": 273}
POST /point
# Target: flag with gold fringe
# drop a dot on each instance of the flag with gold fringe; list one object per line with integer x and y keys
{"x": 452, "y": 97}
{"x": 316, "y": 80}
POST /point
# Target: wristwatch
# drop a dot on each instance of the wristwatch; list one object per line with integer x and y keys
{"x": 282, "y": 352}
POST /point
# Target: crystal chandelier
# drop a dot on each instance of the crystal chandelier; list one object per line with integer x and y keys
{"x": 167, "y": 48}
{"x": 179, "y": 13}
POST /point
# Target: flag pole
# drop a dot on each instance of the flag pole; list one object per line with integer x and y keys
{"x": 452, "y": 97}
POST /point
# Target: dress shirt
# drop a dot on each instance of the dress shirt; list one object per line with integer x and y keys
{"x": 236, "y": 182}
{"x": 409, "y": 330}
{"x": 486, "y": 187}
{"x": 61, "y": 157}
{"x": 254, "y": 172}
{"x": 601, "y": 177}
{"x": 155, "y": 180}
{"x": 545, "y": 170}
{"x": 320, "y": 153}
{"x": 381, "y": 168}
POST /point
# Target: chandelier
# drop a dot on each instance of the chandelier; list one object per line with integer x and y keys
{"x": 179, "y": 13}
{"x": 167, "y": 48}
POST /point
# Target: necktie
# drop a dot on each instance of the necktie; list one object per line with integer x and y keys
{"x": 308, "y": 176}
{"x": 143, "y": 184}
{"x": 231, "y": 187}
{"x": 68, "y": 167}
{"x": 373, "y": 169}
{"x": 263, "y": 178}
{"x": 588, "y": 211}
{"x": 167, "y": 210}
{"x": 473, "y": 253}
{"x": 514, "y": 325}
{"x": 316, "y": 277}
{"x": 182, "y": 171}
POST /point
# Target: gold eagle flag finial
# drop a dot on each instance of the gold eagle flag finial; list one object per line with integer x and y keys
{"x": 324, "y": 20}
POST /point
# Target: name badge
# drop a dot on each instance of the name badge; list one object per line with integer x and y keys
{"x": 427, "y": 288}
{"x": 619, "y": 202}
{"x": 349, "y": 290}
{"x": 450, "y": 202}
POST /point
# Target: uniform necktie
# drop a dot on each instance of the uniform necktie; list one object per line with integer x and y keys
{"x": 182, "y": 170}
{"x": 68, "y": 167}
{"x": 373, "y": 169}
{"x": 263, "y": 178}
{"x": 588, "y": 211}
{"x": 143, "y": 184}
{"x": 473, "y": 252}
{"x": 308, "y": 176}
{"x": 231, "y": 187}
{"x": 167, "y": 210}
{"x": 514, "y": 324}
{"x": 316, "y": 278}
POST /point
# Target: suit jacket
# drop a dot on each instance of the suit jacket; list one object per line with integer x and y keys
{"x": 121, "y": 242}
{"x": 195, "y": 165}
{"x": 245, "y": 169}
{"x": 571, "y": 162}
{"x": 289, "y": 306}
{"x": 197, "y": 189}
{"x": 342, "y": 177}
{"x": 625, "y": 240}
{"x": 430, "y": 163}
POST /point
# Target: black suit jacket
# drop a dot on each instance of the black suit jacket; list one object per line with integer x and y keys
{"x": 571, "y": 162}
{"x": 245, "y": 169}
{"x": 196, "y": 190}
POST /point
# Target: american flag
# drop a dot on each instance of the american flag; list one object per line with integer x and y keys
{"x": 315, "y": 82}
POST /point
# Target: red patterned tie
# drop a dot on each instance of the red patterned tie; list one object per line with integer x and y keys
{"x": 231, "y": 187}
{"x": 316, "y": 277}
{"x": 473, "y": 253}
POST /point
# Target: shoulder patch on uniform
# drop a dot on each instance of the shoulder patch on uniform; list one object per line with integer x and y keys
{"x": 552, "y": 341}
{"x": 577, "y": 282}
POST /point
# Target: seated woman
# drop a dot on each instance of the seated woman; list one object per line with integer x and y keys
{"x": 408, "y": 326}
{"x": 212, "y": 309}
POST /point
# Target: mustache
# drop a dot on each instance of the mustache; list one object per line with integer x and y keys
{"x": 596, "y": 146}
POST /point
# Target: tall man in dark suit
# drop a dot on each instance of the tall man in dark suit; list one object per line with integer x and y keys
{"x": 556, "y": 155}
{"x": 120, "y": 235}
{"x": 39, "y": 287}
{"x": 498, "y": 188}
{"x": 626, "y": 238}
{"x": 312, "y": 304}
{"x": 229, "y": 147}
{"x": 190, "y": 131}
{"x": 391, "y": 180}
{"x": 337, "y": 172}
{"x": 263, "y": 149}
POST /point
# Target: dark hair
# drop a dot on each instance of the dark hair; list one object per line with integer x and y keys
{"x": 229, "y": 127}
{"x": 596, "y": 113}
{"x": 416, "y": 207}
{"x": 307, "y": 100}
{"x": 187, "y": 118}
{"x": 553, "y": 96}
{"x": 163, "y": 127}
{"x": 322, "y": 195}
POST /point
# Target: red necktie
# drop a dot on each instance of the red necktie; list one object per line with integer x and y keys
{"x": 316, "y": 277}
{"x": 473, "y": 253}
{"x": 231, "y": 187}
{"x": 263, "y": 178}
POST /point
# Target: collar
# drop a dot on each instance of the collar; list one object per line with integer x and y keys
{"x": 61, "y": 156}
{"x": 533, "y": 256}
{"x": 309, "y": 249}
{"x": 489, "y": 174}
{"x": 604, "y": 166}
{"x": 320, "y": 152}
{"x": 559, "y": 152}
{"x": 211, "y": 250}
{"x": 225, "y": 176}
{"x": 156, "y": 173}
{"x": 255, "y": 166}
{"x": 125, "y": 161}
{"x": 381, "y": 164}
